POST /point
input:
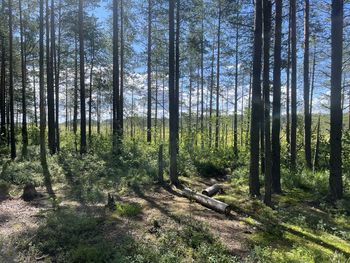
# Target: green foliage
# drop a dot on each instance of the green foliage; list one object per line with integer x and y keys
{"x": 128, "y": 209}
{"x": 69, "y": 237}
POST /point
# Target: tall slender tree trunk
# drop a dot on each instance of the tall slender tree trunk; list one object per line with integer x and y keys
{"x": 75, "y": 110}
{"x": 211, "y": 97}
{"x": 266, "y": 86}
{"x": 254, "y": 184}
{"x": 312, "y": 82}
{"x": 173, "y": 120}
{"x": 276, "y": 107}
{"x": 3, "y": 84}
{"x": 249, "y": 108}
{"x": 122, "y": 44}
{"x": 50, "y": 81}
{"x": 317, "y": 146}
{"x": 35, "y": 96}
{"x": 288, "y": 85}
{"x": 307, "y": 116}
{"x": 149, "y": 74}
{"x": 235, "y": 137}
{"x": 46, "y": 172}
{"x": 57, "y": 56}
{"x": 116, "y": 100}
{"x": 177, "y": 74}
{"x": 217, "y": 127}
{"x": 90, "y": 86}
{"x": 335, "y": 177}
{"x": 293, "y": 135}
{"x": 202, "y": 78}
{"x": 11, "y": 87}
{"x": 24, "y": 85}
{"x": 82, "y": 81}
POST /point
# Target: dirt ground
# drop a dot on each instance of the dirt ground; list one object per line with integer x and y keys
{"x": 159, "y": 205}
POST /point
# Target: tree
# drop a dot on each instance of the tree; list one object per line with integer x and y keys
{"x": 335, "y": 176}
{"x": 217, "y": 128}
{"x": 293, "y": 130}
{"x": 2, "y": 82}
{"x": 115, "y": 117}
{"x": 149, "y": 73}
{"x": 266, "y": 90}
{"x": 24, "y": 84}
{"x": 307, "y": 114}
{"x": 276, "y": 107}
{"x": 82, "y": 81}
{"x": 46, "y": 172}
{"x": 11, "y": 88}
{"x": 254, "y": 184}
{"x": 173, "y": 118}
{"x": 50, "y": 82}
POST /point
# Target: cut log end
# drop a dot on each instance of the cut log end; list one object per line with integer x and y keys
{"x": 212, "y": 190}
{"x": 207, "y": 201}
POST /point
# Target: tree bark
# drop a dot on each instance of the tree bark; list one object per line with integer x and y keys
{"x": 293, "y": 135}
{"x": 335, "y": 177}
{"x": 217, "y": 127}
{"x": 82, "y": 81}
{"x": 173, "y": 120}
{"x": 24, "y": 85}
{"x": 254, "y": 184}
{"x": 307, "y": 116}
{"x": 46, "y": 172}
{"x": 266, "y": 86}
{"x": 11, "y": 87}
{"x": 149, "y": 72}
{"x": 276, "y": 108}
{"x": 50, "y": 81}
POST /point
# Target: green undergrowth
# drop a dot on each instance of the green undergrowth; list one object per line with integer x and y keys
{"x": 71, "y": 236}
{"x": 302, "y": 226}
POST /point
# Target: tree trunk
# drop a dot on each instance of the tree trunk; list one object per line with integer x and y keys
{"x": 317, "y": 146}
{"x": 35, "y": 97}
{"x": 116, "y": 99}
{"x": 217, "y": 127}
{"x": 335, "y": 177}
{"x": 3, "y": 86}
{"x": 75, "y": 110}
{"x": 276, "y": 111}
{"x": 173, "y": 120}
{"x": 50, "y": 80}
{"x": 307, "y": 116}
{"x": 266, "y": 86}
{"x": 46, "y": 172}
{"x": 57, "y": 57}
{"x": 24, "y": 85}
{"x": 293, "y": 135}
{"x": 82, "y": 81}
{"x": 254, "y": 184}
{"x": 11, "y": 87}
{"x": 121, "y": 95}
{"x": 149, "y": 72}
{"x": 235, "y": 147}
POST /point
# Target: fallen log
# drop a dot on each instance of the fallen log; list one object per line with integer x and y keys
{"x": 212, "y": 190}
{"x": 206, "y": 201}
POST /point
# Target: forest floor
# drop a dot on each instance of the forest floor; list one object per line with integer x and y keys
{"x": 153, "y": 223}
{"x": 145, "y": 216}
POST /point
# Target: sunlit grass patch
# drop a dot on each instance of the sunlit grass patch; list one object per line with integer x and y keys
{"x": 128, "y": 209}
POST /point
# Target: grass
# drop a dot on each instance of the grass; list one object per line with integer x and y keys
{"x": 302, "y": 227}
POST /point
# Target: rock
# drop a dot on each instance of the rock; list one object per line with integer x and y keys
{"x": 29, "y": 193}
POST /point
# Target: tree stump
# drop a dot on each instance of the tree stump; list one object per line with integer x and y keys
{"x": 4, "y": 191}
{"x": 29, "y": 193}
